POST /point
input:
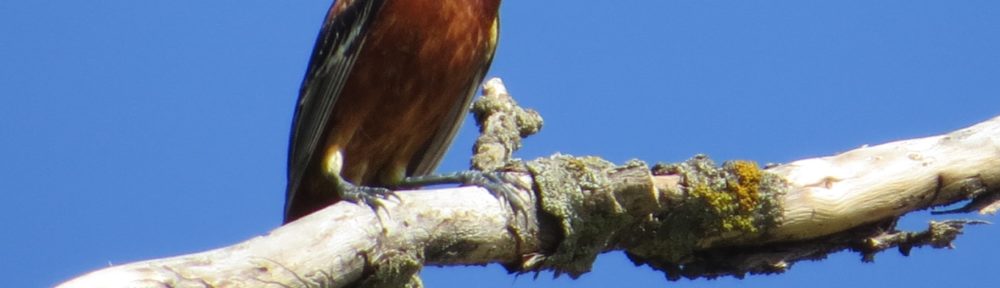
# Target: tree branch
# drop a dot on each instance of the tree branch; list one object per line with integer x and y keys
{"x": 690, "y": 219}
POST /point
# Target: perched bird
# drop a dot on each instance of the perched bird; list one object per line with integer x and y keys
{"x": 387, "y": 87}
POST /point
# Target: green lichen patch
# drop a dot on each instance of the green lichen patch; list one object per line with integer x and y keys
{"x": 736, "y": 198}
{"x": 734, "y": 202}
{"x": 576, "y": 191}
{"x": 717, "y": 206}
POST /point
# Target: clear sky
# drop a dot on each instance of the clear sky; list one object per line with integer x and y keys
{"x": 140, "y": 129}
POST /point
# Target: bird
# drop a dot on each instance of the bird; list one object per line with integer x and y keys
{"x": 387, "y": 87}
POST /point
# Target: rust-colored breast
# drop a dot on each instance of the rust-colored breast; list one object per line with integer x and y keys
{"x": 420, "y": 63}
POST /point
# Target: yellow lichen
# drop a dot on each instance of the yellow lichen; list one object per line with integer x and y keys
{"x": 746, "y": 186}
{"x": 727, "y": 206}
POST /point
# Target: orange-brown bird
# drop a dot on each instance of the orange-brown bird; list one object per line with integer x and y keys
{"x": 387, "y": 87}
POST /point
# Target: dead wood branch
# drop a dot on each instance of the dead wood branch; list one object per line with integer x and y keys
{"x": 690, "y": 219}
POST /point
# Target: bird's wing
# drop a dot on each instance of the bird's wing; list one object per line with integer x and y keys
{"x": 337, "y": 46}
{"x": 434, "y": 151}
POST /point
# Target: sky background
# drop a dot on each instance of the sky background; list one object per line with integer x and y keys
{"x": 132, "y": 130}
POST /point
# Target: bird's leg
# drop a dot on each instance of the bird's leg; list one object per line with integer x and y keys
{"x": 347, "y": 190}
{"x": 495, "y": 182}
{"x": 361, "y": 194}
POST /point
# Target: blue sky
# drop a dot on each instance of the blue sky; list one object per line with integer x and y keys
{"x": 140, "y": 129}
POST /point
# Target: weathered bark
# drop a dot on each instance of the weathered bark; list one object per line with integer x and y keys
{"x": 690, "y": 219}
{"x": 340, "y": 244}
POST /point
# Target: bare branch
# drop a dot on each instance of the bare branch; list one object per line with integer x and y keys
{"x": 690, "y": 219}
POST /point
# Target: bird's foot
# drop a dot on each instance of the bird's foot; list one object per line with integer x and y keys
{"x": 497, "y": 183}
{"x": 370, "y": 196}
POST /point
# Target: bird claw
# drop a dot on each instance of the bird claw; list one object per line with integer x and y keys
{"x": 500, "y": 186}
{"x": 497, "y": 183}
{"x": 369, "y": 196}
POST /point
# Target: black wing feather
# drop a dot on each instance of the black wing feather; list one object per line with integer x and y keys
{"x": 336, "y": 48}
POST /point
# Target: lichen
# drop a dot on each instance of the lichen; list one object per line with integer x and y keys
{"x": 746, "y": 185}
{"x": 722, "y": 200}
{"x": 576, "y": 191}
{"x": 502, "y": 126}
{"x": 735, "y": 201}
